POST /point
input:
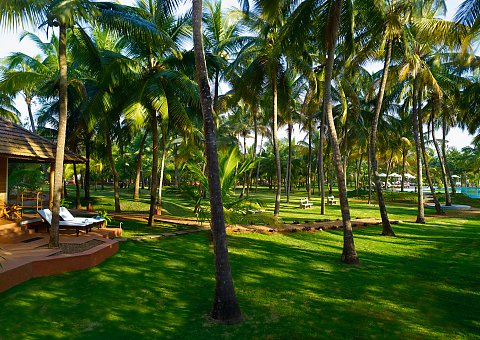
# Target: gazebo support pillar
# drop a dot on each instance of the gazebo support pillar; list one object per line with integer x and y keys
{"x": 3, "y": 179}
{"x": 52, "y": 180}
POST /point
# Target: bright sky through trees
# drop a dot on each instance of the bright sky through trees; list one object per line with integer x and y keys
{"x": 10, "y": 42}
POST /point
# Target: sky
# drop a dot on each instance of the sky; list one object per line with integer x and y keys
{"x": 9, "y": 42}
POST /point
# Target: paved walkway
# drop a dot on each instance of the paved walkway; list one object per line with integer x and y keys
{"x": 284, "y": 228}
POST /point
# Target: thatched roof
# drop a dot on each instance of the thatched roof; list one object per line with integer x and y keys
{"x": 17, "y": 143}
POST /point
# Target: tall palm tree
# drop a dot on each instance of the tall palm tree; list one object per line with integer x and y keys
{"x": 263, "y": 54}
{"x": 349, "y": 254}
{"x": 61, "y": 14}
{"x": 222, "y": 38}
{"x": 225, "y": 307}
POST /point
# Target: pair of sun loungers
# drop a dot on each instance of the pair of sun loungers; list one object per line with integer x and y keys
{"x": 67, "y": 220}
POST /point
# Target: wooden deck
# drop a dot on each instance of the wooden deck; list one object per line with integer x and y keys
{"x": 29, "y": 256}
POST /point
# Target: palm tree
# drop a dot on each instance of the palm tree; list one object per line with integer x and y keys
{"x": 63, "y": 15}
{"x": 222, "y": 38}
{"x": 349, "y": 254}
{"x": 225, "y": 307}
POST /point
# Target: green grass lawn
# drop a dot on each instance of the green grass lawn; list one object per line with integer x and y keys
{"x": 424, "y": 283}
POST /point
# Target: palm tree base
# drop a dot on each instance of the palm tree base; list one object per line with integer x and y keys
{"x": 230, "y": 317}
{"x": 420, "y": 220}
{"x": 350, "y": 258}
{"x": 388, "y": 232}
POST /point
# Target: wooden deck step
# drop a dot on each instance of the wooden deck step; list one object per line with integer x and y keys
{"x": 10, "y": 231}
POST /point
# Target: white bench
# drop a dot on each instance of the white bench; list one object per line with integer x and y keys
{"x": 305, "y": 204}
{"x": 331, "y": 200}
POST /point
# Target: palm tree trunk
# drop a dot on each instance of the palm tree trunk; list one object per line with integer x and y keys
{"x": 389, "y": 166}
{"x": 136, "y": 188}
{"x": 244, "y": 159}
{"x": 444, "y": 152}
{"x": 369, "y": 178}
{"x": 436, "y": 106}
{"x": 276, "y": 151}
{"x": 349, "y": 254}
{"x": 257, "y": 177}
{"x": 416, "y": 137}
{"x": 359, "y": 174}
{"x": 438, "y": 208}
{"x": 289, "y": 162}
{"x": 28, "y": 101}
{"x": 154, "y": 177}
{"x": 162, "y": 171}
{"x": 217, "y": 86}
{"x": 225, "y": 307}
{"x": 404, "y": 159}
{"x": 116, "y": 192}
{"x": 321, "y": 167}
{"x": 254, "y": 150}
{"x": 62, "y": 132}
{"x": 309, "y": 164}
{"x": 387, "y": 228}
{"x": 78, "y": 205}
{"x": 86, "y": 186}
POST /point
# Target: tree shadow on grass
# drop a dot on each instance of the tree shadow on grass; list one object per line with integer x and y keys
{"x": 288, "y": 286}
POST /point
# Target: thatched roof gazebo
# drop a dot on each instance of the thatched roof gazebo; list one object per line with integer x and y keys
{"x": 20, "y": 145}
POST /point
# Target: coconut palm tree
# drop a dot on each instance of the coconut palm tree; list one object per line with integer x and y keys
{"x": 349, "y": 254}
{"x": 225, "y": 307}
{"x": 263, "y": 55}
{"x": 61, "y": 14}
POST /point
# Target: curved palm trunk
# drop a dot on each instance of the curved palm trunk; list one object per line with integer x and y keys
{"x": 62, "y": 132}
{"x": 387, "y": 228}
{"x": 444, "y": 152}
{"x": 418, "y": 152}
{"x": 154, "y": 178}
{"x": 436, "y": 105}
{"x": 289, "y": 163}
{"x": 276, "y": 151}
{"x": 116, "y": 192}
{"x": 136, "y": 188}
{"x": 162, "y": 171}
{"x": 225, "y": 307}
{"x": 438, "y": 208}
{"x": 349, "y": 254}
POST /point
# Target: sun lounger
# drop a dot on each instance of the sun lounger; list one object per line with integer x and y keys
{"x": 66, "y": 215}
{"x": 46, "y": 215}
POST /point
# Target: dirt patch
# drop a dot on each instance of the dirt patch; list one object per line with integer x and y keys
{"x": 74, "y": 248}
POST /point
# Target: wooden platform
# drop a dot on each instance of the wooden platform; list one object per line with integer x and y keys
{"x": 29, "y": 257}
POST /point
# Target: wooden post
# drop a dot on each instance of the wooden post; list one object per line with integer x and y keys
{"x": 4, "y": 180}
{"x": 52, "y": 180}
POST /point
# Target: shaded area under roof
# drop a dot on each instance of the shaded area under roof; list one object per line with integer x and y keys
{"x": 17, "y": 143}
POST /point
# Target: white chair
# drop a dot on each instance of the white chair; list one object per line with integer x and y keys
{"x": 46, "y": 215}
